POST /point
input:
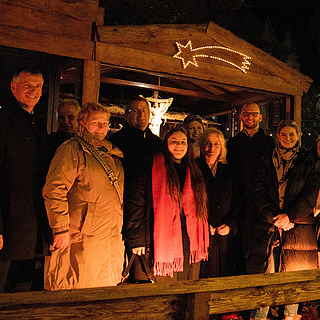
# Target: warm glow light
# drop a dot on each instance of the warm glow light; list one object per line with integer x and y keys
{"x": 188, "y": 55}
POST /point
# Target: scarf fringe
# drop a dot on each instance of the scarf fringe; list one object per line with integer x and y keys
{"x": 167, "y": 268}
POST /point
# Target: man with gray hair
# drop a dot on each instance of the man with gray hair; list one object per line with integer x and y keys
{"x": 23, "y": 167}
{"x": 68, "y": 110}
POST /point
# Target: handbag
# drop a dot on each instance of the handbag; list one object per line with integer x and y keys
{"x": 149, "y": 272}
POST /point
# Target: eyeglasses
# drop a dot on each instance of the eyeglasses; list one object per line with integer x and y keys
{"x": 253, "y": 114}
{"x": 137, "y": 111}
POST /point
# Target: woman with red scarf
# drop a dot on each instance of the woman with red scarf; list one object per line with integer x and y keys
{"x": 166, "y": 213}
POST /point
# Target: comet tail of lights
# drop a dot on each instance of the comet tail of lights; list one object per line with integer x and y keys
{"x": 188, "y": 55}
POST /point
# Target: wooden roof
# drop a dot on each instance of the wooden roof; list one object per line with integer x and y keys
{"x": 233, "y": 75}
{"x": 219, "y": 68}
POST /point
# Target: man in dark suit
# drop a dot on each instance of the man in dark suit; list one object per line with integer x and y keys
{"x": 23, "y": 168}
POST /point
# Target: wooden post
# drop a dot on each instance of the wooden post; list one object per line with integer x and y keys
{"x": 198, "y": 305}
{"x": 297, "y": 110}
{"x": 288, "y": 108}
{"x": 91, "y": 81}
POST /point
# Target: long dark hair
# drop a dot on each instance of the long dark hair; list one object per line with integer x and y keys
{"x": 197, "y": 181}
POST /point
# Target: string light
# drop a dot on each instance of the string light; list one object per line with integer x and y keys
{"x": 188, "y": 56}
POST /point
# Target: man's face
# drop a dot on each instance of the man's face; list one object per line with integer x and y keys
{"x": 250, "y": 116}
{"x": 67, "y": 119}
{"x": 139, "y": 115}
{"x": 27, "y": 89}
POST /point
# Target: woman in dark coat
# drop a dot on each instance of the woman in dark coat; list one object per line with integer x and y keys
{"x": 166, "y": 214}
{"x": 283, "y": 233}
{"x": 223, "y": 204}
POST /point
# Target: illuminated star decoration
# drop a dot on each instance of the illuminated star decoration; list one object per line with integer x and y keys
{"x": 189, "y": 55}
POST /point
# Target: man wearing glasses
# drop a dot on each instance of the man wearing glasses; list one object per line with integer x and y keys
{"x": 244, "y": 153}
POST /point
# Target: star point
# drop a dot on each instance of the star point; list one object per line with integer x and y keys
{"x": 186, "y": 54}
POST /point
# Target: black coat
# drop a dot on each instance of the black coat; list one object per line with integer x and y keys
{"x": 244, "y": 155}
{"x": 23, "y": 168}
{"x": 223, "y": 204}
{"x": 299, "y": 245}
{"x": 136, "y": 145}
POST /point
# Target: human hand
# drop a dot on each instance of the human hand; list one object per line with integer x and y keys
{"x": 282, "y": 221}
{"x": 212, "y": 230}
{"x": 1, "y": 241}
{"x": 223, "y": 230}
{"x": 139, "y": 251}
{"x": 287, "y": 227}
{"x": 61, "y": 241}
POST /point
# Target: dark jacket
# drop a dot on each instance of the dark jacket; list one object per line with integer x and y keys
{"x": 223, "y": 204}
{"x": 136, "y": 145}
{"x": 244, "y": 154}
{"x": 23, "y": 168}
{"x": 299, "y": 245}
{"x": 138, "y": 208}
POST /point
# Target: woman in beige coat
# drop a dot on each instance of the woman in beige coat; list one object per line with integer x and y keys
{"x": 84, "y": 208}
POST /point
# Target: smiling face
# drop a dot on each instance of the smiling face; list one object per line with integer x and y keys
{"x": 138, "y": 115}
{"x": 211, "y": 148}
{"x": 288, "y": 137}
{"x": 27, "y": 89}
{"x": 195, "y": 129}
{"x": 178, "y": 145}
{"x": 97, "y": 124}
{"x": 250, "y": 117}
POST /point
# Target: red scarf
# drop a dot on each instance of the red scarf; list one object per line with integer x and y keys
{"x": 167, "y": 233}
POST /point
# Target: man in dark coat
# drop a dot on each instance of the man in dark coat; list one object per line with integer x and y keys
{"x": 22, "y": 174}
{"x": 137, "y": 143}
{"x": 244, "y": 154}
{"x": 68, "y": 110}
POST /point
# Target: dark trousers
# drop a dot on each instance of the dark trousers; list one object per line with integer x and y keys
{"x": 21, "y": 275}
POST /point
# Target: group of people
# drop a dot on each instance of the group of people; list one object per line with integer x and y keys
{"x": 192, "y": 205}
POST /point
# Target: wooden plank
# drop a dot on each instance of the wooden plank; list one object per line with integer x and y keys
{"x": 150, "y": 33}
{"x": 155, "y": 308}
{"x": 156, "y": 62}
{"x": 91, "y": 81}
{"x": 45, "y": 42}
{"x": 165, "y": 301}
{"x": 184, "y": 92}
{"x": 297, "y": 110}
{"x": 293, "y": 279}
{"x": 71, "y": 19}
{"x": 258, "y": 56}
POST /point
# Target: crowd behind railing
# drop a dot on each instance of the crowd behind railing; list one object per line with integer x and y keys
{"x": 77, "y": 208}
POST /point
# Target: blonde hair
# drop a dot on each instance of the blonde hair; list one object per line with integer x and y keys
{"x": 223, "y": 154}
{"x": 89, "y": 108}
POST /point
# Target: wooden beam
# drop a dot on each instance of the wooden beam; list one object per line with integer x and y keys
{"x": 160, "y": 88}
{"x": 259, "y": 57}
{"x": 156, "y": 62}
{"x": 147, "y": 34}
{"x": 17, "y": 37}
{"x": 160, "y": 300}
{"x": 91, "y": 81}
{"x": 297, "y": 110}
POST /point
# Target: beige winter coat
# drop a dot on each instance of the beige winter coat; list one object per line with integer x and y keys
{"x": 79, "y": 197}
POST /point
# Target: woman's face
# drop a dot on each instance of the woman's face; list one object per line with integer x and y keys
{"x": 195, "y": 129}
{"x": 178, "y": 145}
{"x": 288, "y": 137}
{"x": 97, "y": 124}
{"x": 211, "y": 148}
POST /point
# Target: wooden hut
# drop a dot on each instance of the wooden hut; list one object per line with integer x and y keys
{"x": 207, "y": 69}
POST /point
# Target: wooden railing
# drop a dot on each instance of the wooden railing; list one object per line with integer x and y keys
{"x": 198, "y": 299}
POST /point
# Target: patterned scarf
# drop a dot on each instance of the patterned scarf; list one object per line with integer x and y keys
{"x": 167, "y": 233}
{"x": 283, "y": 160}
{"x": 103, "y": 151}
{"x": 87, "y": 137}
